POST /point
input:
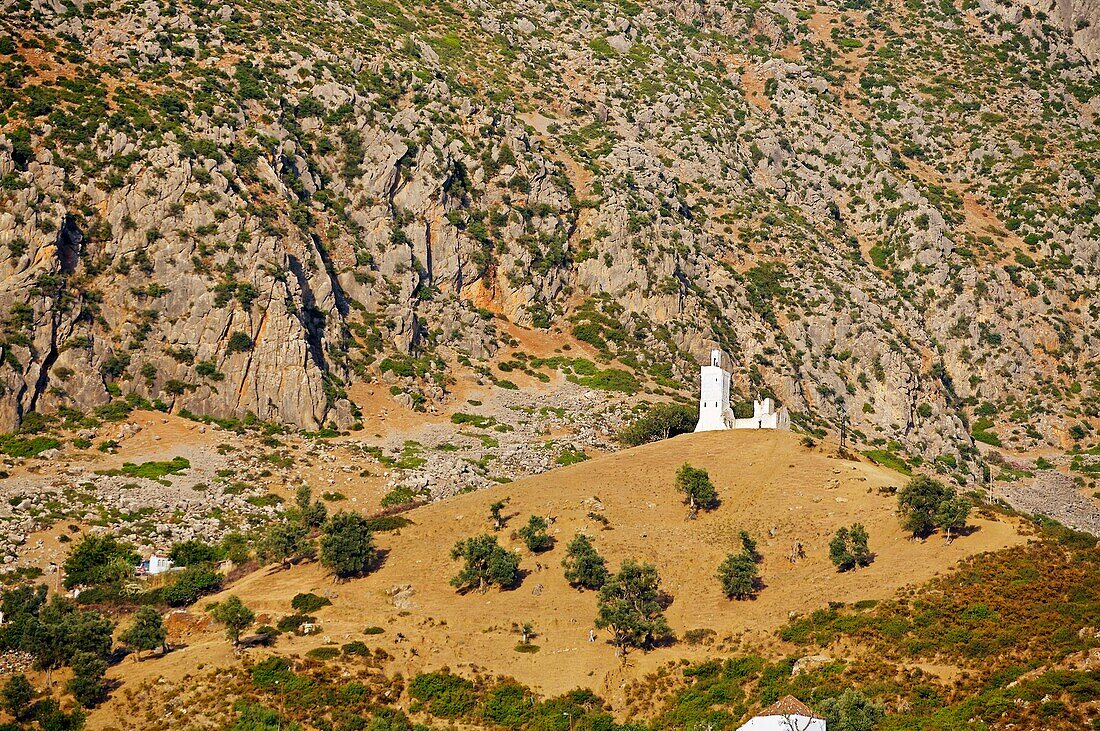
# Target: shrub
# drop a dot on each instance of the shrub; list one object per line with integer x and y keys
{"x": 660, "y": 422}
{"x": 305, "y": 603}
{"x": 191, "y": 584}
{"x": 151, "y": 470}
{"x": 194, "y": 552}
{"x": 848, "y": 548}
{"x": 387, "y": 523}
{"x": 239, "y": 342}
{"x": 355, "y": 647}
{"x": 698, "y": 490}
{"x": 18, "y": 446}
{"x": 534, "y": 534}
{"x": 508, "y": 705}
{"x": 99, "y": 559}
{"x": 851, "y": 711}
{"x": 738, "y": 575}
{"x": 272, "y": 672}
{"x": 486, "y": 563}
{"x": 446, "y": 695}
{"x": 400, "y": 495}
{"x": 323, "y": 653}
{"x": 584, "y": 567}
{"x": 292, "y": 622}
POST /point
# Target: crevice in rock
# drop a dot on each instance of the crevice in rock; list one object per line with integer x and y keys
{"x": 309, "y": 314}
{"x": 342, "y": 305}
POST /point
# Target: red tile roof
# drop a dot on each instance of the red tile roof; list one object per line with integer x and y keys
{"x": 788, "y": 705}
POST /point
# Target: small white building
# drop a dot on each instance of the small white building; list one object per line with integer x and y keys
{"x": 155, "y": 565}
{"x": 786, "y": 714}
{"x": 715, "y": 412}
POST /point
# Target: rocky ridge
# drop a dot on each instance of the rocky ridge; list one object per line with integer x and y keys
{"x": 242, "y": 209}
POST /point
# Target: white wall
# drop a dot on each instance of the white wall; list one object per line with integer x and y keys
{"x": 714, "y": 399}
{"x": 784, "y": 723}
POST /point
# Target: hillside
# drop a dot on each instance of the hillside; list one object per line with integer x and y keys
{"x": 768, "y": 483}
{"x": 883, "y": 210}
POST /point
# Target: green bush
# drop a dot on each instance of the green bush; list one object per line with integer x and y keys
{"x": 194, "y": 552}
{"x": 323, "y": 653}
{"x": 661, "y": 421}
{"x": 18, "y": 446}
{"x": 508, "y": 705}
{"x": 239, "y": 342}
{"x": 99, "y": 559}
{"x": 191, "y": 584}
{"x": 387, "y": 523}
{"x": 305, "y": 603}
{"x": 485, "y": 563}
{"x": 150, "y": 470}
{"x": 444, "y": 694}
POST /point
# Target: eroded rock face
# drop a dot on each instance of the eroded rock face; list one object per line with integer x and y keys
{"x": 144, "y": 306}
{"x": 1079, "y": 19}
{"x": 237, "y": 220}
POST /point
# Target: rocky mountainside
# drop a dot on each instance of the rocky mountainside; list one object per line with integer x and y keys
{"x": 883, "y": 210}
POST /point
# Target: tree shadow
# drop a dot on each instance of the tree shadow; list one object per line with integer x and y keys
{"x": 381, "y": 555}
{"x": 521, "y": 576}
{"x": 663, "y": 641}
{"x": 966, "y": 530}
{"x": 258, "y": 640}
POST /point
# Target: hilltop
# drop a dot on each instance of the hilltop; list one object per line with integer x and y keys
{"x": 769, "y": 484}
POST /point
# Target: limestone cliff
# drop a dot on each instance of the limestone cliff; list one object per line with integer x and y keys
{"x": 884, "y": 212}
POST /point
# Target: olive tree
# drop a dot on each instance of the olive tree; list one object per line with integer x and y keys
{"x": 584, "y": 567}
{"x": 631, "y": 605}
{"x": 234, "y": 615}
{"x": 699, "y": 492}
{"x": 347, "y": 545}
{"x": 484, "y": 563}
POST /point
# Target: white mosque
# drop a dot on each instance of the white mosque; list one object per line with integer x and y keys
{"x": 715, "y": 412}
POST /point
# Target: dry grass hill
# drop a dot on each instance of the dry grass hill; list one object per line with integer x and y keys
{"x": 768, "y": 483}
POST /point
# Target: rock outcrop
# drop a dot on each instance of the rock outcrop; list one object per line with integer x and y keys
{"x": 229, "y": 212}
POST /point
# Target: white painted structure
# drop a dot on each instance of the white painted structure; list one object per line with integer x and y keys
{"x": 765, "y": 416}
{"x": 156, "y": 565}
{"x": 787, "y": 714}
{"x": 714, "y": 396}
{"x": 715, "y": 412}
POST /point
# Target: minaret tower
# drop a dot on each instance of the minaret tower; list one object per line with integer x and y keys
{"x": 714, "y": 395}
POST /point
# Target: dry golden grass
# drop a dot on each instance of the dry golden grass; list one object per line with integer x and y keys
{"x": 770, "y": 485}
